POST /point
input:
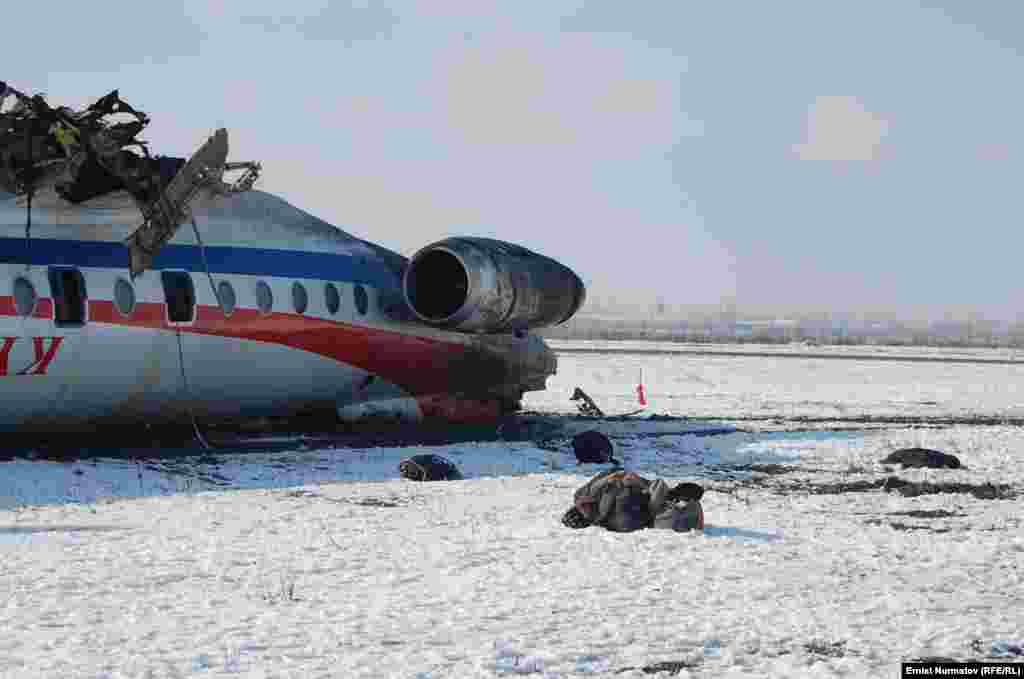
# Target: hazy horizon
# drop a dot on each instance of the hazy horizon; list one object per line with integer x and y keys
{"x": 603, "y": 308}
{"x": 799, "y": 155}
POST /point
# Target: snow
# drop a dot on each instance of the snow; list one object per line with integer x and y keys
{"x": 323, "y": 563}
{"x": 882, "y": 351}
{"x": 789, "y": 387}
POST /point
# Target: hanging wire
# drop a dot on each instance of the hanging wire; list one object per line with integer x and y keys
{"x": 30, "y": 185}
{"x": 206, "y": 264}
{"x": 181, "y": 354}
{"x": 188, "y": 394}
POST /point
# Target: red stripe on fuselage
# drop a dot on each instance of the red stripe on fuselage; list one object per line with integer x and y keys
{"x": 44, "y": 307}
{"x": 435, "y": 372}
{"x": 418, "y": 365}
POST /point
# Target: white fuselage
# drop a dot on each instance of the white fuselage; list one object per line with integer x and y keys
{"x": 123, "y": 361}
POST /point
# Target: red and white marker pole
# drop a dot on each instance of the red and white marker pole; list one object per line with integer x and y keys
{"x": 641, "y": 399}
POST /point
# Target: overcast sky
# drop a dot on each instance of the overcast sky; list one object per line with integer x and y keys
{"x": 828, "y": 156}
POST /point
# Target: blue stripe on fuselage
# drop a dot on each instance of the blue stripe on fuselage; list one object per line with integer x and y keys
{"x": 222, "y": 259}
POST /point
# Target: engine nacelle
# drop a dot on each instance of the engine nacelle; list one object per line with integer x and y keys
{"x": 487, "y": 285}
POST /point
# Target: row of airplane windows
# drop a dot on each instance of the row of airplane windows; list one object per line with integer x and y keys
{"x": 67, "y": 287}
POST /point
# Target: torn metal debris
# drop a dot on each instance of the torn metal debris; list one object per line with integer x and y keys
{"x": 163, "y": 215}
{"x": 85, "y": 154}
{"x": 585, "y": 404}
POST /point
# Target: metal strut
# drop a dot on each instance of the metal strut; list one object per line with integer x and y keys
{"x": 248, "y": 178}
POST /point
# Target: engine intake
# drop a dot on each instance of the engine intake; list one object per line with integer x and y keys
{"x": 489, "y": 286}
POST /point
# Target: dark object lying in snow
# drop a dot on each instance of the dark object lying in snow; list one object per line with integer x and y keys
{"x": 983, "y": 491}
{"x": 624, "y": 501}
{"x": 586, "y": 404}
{"x": 428, "y": 468}
{"x": 592, "y": 446}
{"x": 670, "y": 666}
{"x": 923, "y": 457}
{"x": 684, "y": 492}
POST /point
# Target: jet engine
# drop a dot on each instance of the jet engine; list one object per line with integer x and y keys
{"x": 489, "y": 286}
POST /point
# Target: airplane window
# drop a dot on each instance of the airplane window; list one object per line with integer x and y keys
{"x": 24, "y": 296}
{"x": 226, "y": 296}
{"x": 180, "y": 296}
{"x": 300, "y": 298}
{"x": 332, "y": 298}
{"x": 68, "y": 289}
{"x": 264, "y": 297}
{"x": 362, "y": 301}
{"x": 124, "y": 297}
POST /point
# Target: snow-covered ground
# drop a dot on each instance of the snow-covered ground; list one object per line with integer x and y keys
{"x": 730, "y": 386}
{"x": 323, "y": 563}
{"x": 888, "y": 352}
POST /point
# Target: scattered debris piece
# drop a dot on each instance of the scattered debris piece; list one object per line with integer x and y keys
{"x": 592, "y": 446}
{"x": 374, "y": 502}
{"x": 685, "y": 491}
{"x": 624, "y": 501}
{"x": 82, "y": 155}
{"x": 670, "y": 666}
{"x": 573, "y": 518}
{"x": 923, "y": 457}
{"x": 981, "y": 491}
{"x": 680, "y": 517}
{"x": 897, "y": 525}
{"x": 836, "y": 649}
{"x": 773, "y": 468}
{"x": 169, "y": 208}
{"x": 428, "y": 468}
{"x": 927, "y": 514}
{"x": 586, "y": 404}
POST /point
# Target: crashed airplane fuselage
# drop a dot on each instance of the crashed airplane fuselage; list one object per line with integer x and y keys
{"x": 112, "y": 313}
{"x": 276, "y": 313}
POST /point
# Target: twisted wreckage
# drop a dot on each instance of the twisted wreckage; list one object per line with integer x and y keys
{"x": 82, "y": 155}
{"x": 106, "y": 318}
